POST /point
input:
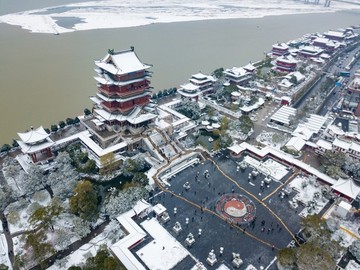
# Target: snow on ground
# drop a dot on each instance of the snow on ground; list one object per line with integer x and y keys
{"x": 349, "y": 227}
{"x": 272, "y": 139}
{"x": 308, "y": 190}
{"x": 164, "y": 252}
{"x": 269, "y": 167}
{"x": 4, "y": 259}
{"x": 22, "y": 210}
{"x": 117, "y": 14}
{"x": 78, "y": 257}
{"x": 352, "y": 266}
{"x": 17, "y": 211}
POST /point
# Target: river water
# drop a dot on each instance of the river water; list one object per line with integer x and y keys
{"x": 46, "y": 78}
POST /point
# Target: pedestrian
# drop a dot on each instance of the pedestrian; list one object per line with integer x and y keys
{"x": 259, "y": 260}
{"x": 280, "y": 229}
{"x": 273, "y": 247}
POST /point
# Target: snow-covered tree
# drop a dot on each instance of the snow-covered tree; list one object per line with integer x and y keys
{"x": 333, "y": 224}
{"x": 113, "y": 231}
{"x": 354, "y": 249}
{"x": 352, "y": 166}
{"x": 34, "y": 180}
{"x": 122, "y": 201}
{"x": 63, "y": 180}
{"x": 132, "y": 166}
{"x": 62, "y": 239}
{"x": 190, "y": 109}
{"x": 81, "y": 227}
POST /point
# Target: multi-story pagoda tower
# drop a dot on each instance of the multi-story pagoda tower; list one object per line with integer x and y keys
{"x": 123, "y": 90}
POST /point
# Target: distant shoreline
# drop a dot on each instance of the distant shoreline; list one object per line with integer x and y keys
{"x": 94, "y": 16}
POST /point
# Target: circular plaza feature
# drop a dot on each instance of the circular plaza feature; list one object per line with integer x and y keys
{"x": 236, "y": 208}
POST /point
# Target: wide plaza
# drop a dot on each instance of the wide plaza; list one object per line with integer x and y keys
{"x": 226, "y": 207}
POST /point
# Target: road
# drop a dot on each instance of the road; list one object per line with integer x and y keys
{"x": 337, "y": 93}
{"x": 339, "y": 64}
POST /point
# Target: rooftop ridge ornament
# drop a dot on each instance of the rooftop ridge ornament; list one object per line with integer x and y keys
{"x": 111, "y": 51}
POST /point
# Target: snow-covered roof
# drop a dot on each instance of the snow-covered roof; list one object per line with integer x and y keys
{"x": 315, "y": 122}
{"x": 303, "y": 132}
{"x": 341, "y": 144}
{"x": 336, "y": 130}
{"x": 355, "y": 147}
{"x": 122, "y": 62}
{"x": 141, "y": 206}
{"x": 236, "y": 71}
{"x": 107, "y": 80}
{"x": 345, "y": 205}
{"x": 250, "y": 67}
{"x": 321, "y": 40}
{"x": 120, "y": 99}
{"x": 34, "y": 135}
{"x": 311, "y": 50}
{"x": 164, "y": 251}
{"x": 134, "y": 117}
{"x": 324, "y": 144}
{"x": 289, "y": 159}
{"x": 159, "y": 209}
{"x": 325, "y": 56}
{"x": 281, "y": 46}
{"x": 190, "y": 87}
{"x": 201, "y": 78}
{"x": 121, "y": 248}
{"x": 298, "y": 75}
{"x": 285, "y": 83}
{"x": 283, "y": 115}
{"x": 346, "y": 187}
{"x": 33, "y": 148}
{"x": 85, "y": 137}
{"x": 162, "y": 124}
{"x": 296, "y": 143}
{"x": 334, "y": 34}
{"x": 287, "y": 59}
{"x": 254, "y": 106}
{"x": 318, "y": 60}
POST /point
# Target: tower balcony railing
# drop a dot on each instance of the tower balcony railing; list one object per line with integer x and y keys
{"x": 131, "y": 91}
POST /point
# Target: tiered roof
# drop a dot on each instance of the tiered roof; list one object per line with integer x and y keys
{"x": 34, "y": 140}
{"x": 123, "y": 62}
{"x": 34, "y": 135}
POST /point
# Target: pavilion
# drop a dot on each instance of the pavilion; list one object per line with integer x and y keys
{"x": 36, "y": 144}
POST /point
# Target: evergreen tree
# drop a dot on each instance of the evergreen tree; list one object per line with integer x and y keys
{"x": 84, "y": 202}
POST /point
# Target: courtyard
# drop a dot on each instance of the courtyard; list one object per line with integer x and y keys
{"x": 236, "y": 212}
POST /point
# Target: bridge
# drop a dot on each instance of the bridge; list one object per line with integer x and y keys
{"x": 328, "y": 2}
